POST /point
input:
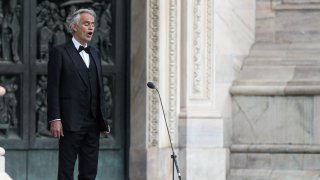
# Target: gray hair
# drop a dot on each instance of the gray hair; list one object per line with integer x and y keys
{"x": 75, "y": 18}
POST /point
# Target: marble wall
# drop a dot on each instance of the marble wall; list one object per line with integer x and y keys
{"x": 276, "y": 95}
{"x": 287, "y": 21}
{"x": 279, "y": 120}
{"x": 234, "y": 31}
{"x": 192, "y": 50}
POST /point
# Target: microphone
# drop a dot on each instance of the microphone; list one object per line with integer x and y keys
{"x": 151, "y": 85}
{"x": 173, "y": 156}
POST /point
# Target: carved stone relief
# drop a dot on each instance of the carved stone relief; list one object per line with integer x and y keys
{"x": 42, "y": 128}
{"x": 173, "y": 69}
{"x": 9, "y": 122}
{"x": 107, "y": 89}
{"x": 52, "y": 28}
{"x": 196, "y": 81}
{"x": 153, "y": 74}
{"x": 10, "y": 11}
{"x": 202, "y": 64}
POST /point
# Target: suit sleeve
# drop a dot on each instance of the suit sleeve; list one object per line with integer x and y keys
{"x": 103, "y": 95}
{"x": 54, "y": 74}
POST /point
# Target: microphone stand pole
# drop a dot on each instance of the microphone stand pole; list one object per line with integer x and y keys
{"x": 173, "y": 156}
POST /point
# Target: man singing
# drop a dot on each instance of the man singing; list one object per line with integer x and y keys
{"x": 76, "y": 107}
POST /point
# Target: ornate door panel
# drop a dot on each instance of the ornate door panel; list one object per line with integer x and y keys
{"x": 29, "y": 29}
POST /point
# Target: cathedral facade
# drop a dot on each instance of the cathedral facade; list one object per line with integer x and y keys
{"x": 238, "y": 82}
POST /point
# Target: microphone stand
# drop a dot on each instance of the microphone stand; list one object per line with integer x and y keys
{"x": 173, "y": 156}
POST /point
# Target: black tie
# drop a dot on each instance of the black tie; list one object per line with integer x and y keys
{"x": 86, "y": 49}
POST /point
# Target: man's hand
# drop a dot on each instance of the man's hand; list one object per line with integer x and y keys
{"x": 56, "y": 129}
{"x": 106, "y": 132}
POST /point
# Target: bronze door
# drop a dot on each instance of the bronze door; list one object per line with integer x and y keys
{"x": 29, "y": 28}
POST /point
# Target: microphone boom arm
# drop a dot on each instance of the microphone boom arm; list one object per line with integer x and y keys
{"x": 173, "y": 156}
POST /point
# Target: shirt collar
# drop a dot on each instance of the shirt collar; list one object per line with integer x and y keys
{"x": 77, "y": 44}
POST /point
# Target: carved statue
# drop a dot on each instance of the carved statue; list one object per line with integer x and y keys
{"x": 10, "y": 33}
{"x": 105, "y": 32}
{"x": 108, "y": 99}
{"x": 41, "y": 107}
{"x": 108, "y": 96}
{"x": 11, "y": 102}
{"x": 1, "y": 21}
{"x": 48, "y": 19}
{"x": 8, "y": 105}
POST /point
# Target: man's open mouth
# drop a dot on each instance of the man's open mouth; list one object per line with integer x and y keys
{"x": 90, "y": 33}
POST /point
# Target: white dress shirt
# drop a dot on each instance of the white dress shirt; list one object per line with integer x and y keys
{"x": 83, "y": 54}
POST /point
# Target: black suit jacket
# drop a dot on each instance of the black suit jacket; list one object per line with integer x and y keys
{"x": 68, "y": 87}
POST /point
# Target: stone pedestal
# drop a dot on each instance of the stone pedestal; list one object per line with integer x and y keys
{"x": 202, "y": 155}
{"x": 3, "y": 174}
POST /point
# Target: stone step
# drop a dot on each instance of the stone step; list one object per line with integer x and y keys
{"x": 262, "y": 174}
{"x": 285, "y": 50}
{"x": 280, "y": 68}
{"x": 274, "y": 166}
{"x": 300, "y": 6}
{"x": 286, "y": 46}
{"x": 282, "y": 61}
{"x": 293, "y": 74}
{"x": 264, "y": 81}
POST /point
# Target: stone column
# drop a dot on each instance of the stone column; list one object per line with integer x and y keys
{"x": 201, "y": 127}
{"x": 3, "y": 174}
{"x": 172, "y": 46}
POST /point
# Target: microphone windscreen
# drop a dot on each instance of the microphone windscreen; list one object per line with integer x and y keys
{"x": 150, "y": 85}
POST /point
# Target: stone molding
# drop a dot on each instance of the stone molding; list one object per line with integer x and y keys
{"x": 295, "y": 5}
{"x": 153, "y": 70}
{"x": 202, "y": 59}
{"x": 153, "y": 23}
{"x": 200, "y": 64}
{"x": 274, "y": 148}
{"x": 173, "y": 69}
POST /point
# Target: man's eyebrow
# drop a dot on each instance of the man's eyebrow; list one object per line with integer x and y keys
{"x": 88, "y": 21}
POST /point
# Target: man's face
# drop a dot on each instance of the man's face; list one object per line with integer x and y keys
{"x": 84, "y": 30}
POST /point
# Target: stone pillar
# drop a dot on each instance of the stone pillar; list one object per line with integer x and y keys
{"x": 138, "y": 60}
{"x": 201, "y": 126}
{"x": 3, "y": 174}
{"x": 172, "y": 46}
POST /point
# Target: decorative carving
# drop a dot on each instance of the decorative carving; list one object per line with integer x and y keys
{"x": 107, "y": 83}
{"x": 202, "y": 81}
{"x": 172, "y": 113}
{"x": 8, "y": 106}
{"x": 153, "y": 73}
{"x": 102, "y": 36}
{"x": 209, "y": 60}
{"x": 52, "y": 28}
{"x": 10, "y": 31}
{"x": 42, "y": 128}
{"x": 196, "y": 81}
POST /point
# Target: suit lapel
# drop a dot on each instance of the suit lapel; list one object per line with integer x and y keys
{"x": 96, "y": 61}
{"x": 78, "y": 62}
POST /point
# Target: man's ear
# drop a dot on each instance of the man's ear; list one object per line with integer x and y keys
{"x": 74, "y": 28}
